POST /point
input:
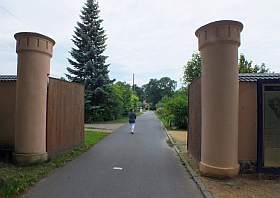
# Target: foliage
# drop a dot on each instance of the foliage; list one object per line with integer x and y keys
{"x": 192, "y": 69}
{"x": 14, "y": 179}
{"x": 125, "y": 99}
{"x": 134, "y": 102}
{"x": 121, "y": 119}
{"x": 173, "y": 110}
{"x": 155, "y": 90}
{"x": 88, "y": 63}
{"x": 152, "y": 93}
{"x": 139, "y": 91}
{"x": 166, "y": 86}
{"x": 109, "y": 109}
{"x": 245, "y": 66}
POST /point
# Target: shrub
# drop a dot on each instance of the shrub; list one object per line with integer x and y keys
{"x": 173, "y": 111}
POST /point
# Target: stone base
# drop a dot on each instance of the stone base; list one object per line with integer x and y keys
{"x": 24, "y": 159}
{"x": 218, "y": 172}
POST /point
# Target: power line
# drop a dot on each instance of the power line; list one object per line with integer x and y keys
{"x": 11, "y": 14}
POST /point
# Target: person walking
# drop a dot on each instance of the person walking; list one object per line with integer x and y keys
{"x": 131, "y": 120}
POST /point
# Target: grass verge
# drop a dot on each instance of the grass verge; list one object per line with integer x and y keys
{"x": 14, "y": 180}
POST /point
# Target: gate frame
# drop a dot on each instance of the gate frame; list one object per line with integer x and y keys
{"x": 260, "y": 132}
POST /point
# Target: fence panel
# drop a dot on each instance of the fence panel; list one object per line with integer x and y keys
{"x": 7, "y": 112}
{"x": 194, "y": 135}
{"x": 65, "y": 115}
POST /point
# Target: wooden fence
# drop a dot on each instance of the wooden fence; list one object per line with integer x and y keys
{"x": 65, "y": 116}
{"x": 194, "y": 135}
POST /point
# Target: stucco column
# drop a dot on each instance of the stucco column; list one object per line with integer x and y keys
{"x": 34, "y": 53}
{"x": 218, "y": 45}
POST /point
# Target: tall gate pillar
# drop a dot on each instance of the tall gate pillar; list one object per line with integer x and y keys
{"x": 218, "y": 45}
{"x": 34, "y": 53}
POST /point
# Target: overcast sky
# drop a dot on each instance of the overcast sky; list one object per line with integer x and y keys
{"x": 152, "y": 38}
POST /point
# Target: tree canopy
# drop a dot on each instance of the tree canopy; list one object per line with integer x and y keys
{"x": 192, "y": 69}
{"x": 88, "y": 62}
{"x": 125, "y": 99}
{"x": 155, "y": 90}
{"x": 246, "y": 66}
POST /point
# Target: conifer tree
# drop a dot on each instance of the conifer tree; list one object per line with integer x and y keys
{"x": 89, "y": 62}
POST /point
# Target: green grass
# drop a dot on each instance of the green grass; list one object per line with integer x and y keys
{"x": 15, "y": 180}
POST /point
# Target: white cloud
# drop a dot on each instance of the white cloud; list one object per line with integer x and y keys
{"x": 150, "y": 38}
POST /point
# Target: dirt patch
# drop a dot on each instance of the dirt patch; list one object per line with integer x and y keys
{"x": 243, "y": 186}
{"x": 179, "y": 137}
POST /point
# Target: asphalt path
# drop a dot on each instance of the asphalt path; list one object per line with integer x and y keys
{"x": 123, "y": 166}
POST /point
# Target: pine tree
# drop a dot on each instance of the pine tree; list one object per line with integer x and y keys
{"x": 88, "y": 62}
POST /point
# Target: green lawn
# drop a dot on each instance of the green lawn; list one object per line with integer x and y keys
{"x": 14, "y": 180}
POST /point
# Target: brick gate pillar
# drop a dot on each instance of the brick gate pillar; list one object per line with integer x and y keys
{"x": 218, "y": 45}
{"x": 34, "y": 53}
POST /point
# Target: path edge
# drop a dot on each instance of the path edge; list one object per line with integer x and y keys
{"x": 193, "y": 174}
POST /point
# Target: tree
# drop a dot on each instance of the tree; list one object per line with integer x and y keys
{"x": 192, "y": 69}
{"x": 167, "y": 86}
{"x": 124, "y": 99}
{"x": 134, "y": 102}
{"x": 139, "y": 91}
{"x": 152, "y": 93}
{"x": 124, "y": 94}
{"x": 245, "y": 66}
{"x": 155, "y": 90}
{"x": 88, "y": 62}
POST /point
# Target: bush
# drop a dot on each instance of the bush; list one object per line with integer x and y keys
{"x": 173, "y": 111}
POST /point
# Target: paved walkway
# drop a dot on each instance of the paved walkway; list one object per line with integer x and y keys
{"x": 151, "y": 169}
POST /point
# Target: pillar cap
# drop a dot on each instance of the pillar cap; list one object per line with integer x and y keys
{"x": 33, "y": 34}
{"x": 32, "y": 41}
{"x": 219, "y": 31}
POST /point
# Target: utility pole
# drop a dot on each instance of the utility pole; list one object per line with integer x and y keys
{"x": 133, "y": 83}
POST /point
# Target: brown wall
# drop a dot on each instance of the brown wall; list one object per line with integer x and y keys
{"x": 194, "y": 132}
{"x": 65, "y": 115}
{"x": 247, "y": 135}
{"x": 7, "y": 112}
{"x": 247, "y": 129}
